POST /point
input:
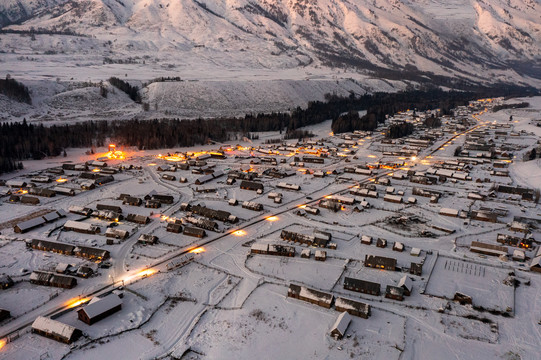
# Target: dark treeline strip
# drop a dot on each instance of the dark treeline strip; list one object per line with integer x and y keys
{"x": 20, "y": 141}
{"x": 132, "y": 91}
{"x": 510, "y": 106}
{"x": 379, "y": 105}
{"x": 15, "y": 90}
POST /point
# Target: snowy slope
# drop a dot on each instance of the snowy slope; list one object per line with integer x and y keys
{"x": 449, "y": 38}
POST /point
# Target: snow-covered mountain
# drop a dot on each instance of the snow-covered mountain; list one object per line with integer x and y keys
{"x": 474, "y": 39}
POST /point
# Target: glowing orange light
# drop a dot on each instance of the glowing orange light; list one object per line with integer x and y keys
{"x": 371, "y": 156}
{"x": 76, "y": 302}
{"x": 151, "y": 164}
{"x": 239, "y": 233}
{"x": 198, "y": 250}
{"x": 61, "y": 180}
{"x": 302, "y": 206}
{"x": 96, "y": 170}
{"x": 147, "y": 272}
{"x": 272, "y": 218}
{"x": 2, "y": 343}
{"x": 22, "y": 191}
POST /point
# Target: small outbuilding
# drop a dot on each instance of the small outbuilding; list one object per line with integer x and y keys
{"x": 340, "y": 326}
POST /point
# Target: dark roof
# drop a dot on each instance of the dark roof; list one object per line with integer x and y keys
{"x": 380, "y": 260}
{"x": 362, "y": 284}
{"x": 194, "y": 231}
{"x": 52, "y": 246}
{"x": 251, "y": 185}
{"x": 91, "y": 252}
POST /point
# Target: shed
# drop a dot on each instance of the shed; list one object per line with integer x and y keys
{"x": 321, "y": 255}
{"x": 99, "y": 308}
{"x": 340, "y": 326}
{"x": 398, "y": 246}
{"x": 407, "y": 284}
{"x": 366, "y": 240}
{"x": 5, "y": 281}
{"x": 415, "y": 251}
{"x": 4, "y": 314}
{"x": 416, "y": 269}
{"x": 306, "y": 253}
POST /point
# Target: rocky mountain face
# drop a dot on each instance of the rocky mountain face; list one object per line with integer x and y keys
{"x": 446, "y": 41}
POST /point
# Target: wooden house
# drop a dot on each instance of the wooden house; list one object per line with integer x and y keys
{"x": 153, "y": 204}
{"x": 114, "y": 208}
{"x": 195, "y": 232}
{"x": 174, "y": 228}
{"x": 251, "y": 185}
{"x": 394, "y": 292}
{"x": 55, "y": 330}
{"x": 380, "y": 262}
{"x": 147, "y": 239}
{"x": 362, "y": 286}
{"x": 133, "y": 201}
{"x": 91, "y": 253}
{"x": 138, "y": 219}
{"x": 312, "y": 296}
{"x": 353, "y": 307}
{"x": 488, "y": 249}
{"x": 30, "y": 200}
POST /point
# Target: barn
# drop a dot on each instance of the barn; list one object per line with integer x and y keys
{"x": 99, "y": 308}
{"x": 55, "y": 330}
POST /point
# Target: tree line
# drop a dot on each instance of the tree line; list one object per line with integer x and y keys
{"x": 132, "y": 91}
{"x": 20, "y": 140}
{"x": 15, "y": 90}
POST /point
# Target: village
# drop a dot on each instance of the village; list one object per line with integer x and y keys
{"x": 366, "y": 245}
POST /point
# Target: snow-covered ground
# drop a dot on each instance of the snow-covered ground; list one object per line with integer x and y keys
{"x": 230, "y": 304}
